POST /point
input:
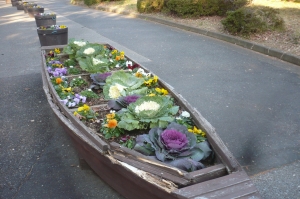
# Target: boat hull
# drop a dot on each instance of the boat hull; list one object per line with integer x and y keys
{"x": 135, "y": 176}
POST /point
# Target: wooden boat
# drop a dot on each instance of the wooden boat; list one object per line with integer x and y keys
{"x": 136, "y": 176}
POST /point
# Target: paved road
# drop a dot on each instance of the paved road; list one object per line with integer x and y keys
{"x": 252, "y": 100}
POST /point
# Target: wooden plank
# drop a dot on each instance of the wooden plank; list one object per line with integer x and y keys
{"x": 181, "y": 181}
{"x": 134, "y": 155}
{"x": 208, "y": 173}
{"x": 244, "y": 189}
{"x": 213, "y": 185}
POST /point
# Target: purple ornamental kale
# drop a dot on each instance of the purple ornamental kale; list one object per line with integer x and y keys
{"x": 130, "y": 99}
{"x": 174, "y": 140}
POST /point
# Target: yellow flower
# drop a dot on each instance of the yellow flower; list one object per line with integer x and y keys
{"x": 196, "y": 131}
{"x": 75, "y": 113}
{"x": 151, "y": 95}
{"x": 122, "y": 56}
{"x": 110, "y": 116}
{"x": 122, "y": 53}
{"x": 84, "y": 108}
{"x": 114, "y": 52}
{"x": 62, "y": 26}
{"x": 112, "y": 123}
{"x": 118, "y": 58}
{"x": 155, "y": 79}
{"x": 140, "y": 75}
{"x": 149, "y": 82}
{"x": 56, "y": 50}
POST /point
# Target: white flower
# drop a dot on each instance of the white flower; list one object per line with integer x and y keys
{"x": 140, "y": 70}
{"x": 147, "y": 74}
{"x": 71, "y": 66}
{"x": 146, "y": 106}
{"x": 89, "y": 89}
{"x": 185, "y": 114}
{"x": 111, "y": 60}
{"x": 97, "y": 61}
{"x": 117, "y": 66}
{"x": 80, "y": 43}
{"x": 128, "y": 63}
{"x": 115, "y": 91}
{"x": 112, "y": 111}
{"x": 89, "y": 51}
{"x": 79, "y": 77}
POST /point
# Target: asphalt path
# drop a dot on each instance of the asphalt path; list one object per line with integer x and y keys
{"x": 251, "y": 99}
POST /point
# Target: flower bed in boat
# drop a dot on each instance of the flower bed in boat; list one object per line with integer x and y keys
{"x": 122, "y": 102}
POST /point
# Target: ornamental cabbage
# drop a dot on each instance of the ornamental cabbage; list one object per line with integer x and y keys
{"x": 148, "y": 112}
{"x": 174, "y": 145}
{"x": 121, "y": 83}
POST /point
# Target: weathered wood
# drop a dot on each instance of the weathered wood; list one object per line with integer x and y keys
{"x": 134, "y": 155}
{"x": 180, "y": 181}
{"x": 208, "y": 173}
{"x": 230, "y": 186}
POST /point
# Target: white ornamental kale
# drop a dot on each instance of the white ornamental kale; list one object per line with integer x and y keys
{"x": 147, "y": 106}
{"x": 148, "y": 112}
{"x": 80, "y": 43}
{"x": 97, "y": 61}
{"x": 116, "y": 90}
{"x": 127, "y": 85}
{"x": 89, "y": 51}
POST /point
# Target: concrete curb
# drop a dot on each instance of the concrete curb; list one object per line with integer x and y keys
{"x": 228, "y": 38}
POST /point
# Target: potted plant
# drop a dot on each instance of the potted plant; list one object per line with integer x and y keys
{"x": 32, "y": 10}
{"x": 20, "y": 5}
{"x": 28, "y": 4}
{"x": 45, "y": 19}
{"x": 53, "y": 35}
{"x": 14, "y": 2}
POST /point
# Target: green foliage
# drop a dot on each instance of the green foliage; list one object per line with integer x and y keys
{"x": 196, "y": 8}
{"x": 89, "y": 94}
{"x": 248, "y": 20}
{"x": 91, "y": 2}
{"x": 77, "y": 82}
{"x": 148, "y": 6}
{"x": 156, "y": 111}
{"x": 121, "y": 83}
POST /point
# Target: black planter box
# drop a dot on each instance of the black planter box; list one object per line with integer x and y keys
{"x": 33, "y": 11}
{"x": 47, "y": 20}
{"x": 53, "y": 37}
{"x": 25, "y": 6}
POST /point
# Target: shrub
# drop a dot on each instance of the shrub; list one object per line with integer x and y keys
{"x": 196, "y": 8}
{"x": 91, "y": 2}
{"x": 247, "y": 20}
{"x": 148, "y": 6}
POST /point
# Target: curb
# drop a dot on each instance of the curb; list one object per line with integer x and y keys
{"x": 227, "y": 38}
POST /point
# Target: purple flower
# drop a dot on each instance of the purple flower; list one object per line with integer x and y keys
{"x": 103, "y": 76}
{"x": 83, "y": 99}
{"x": 130, "y": 99}
{"x": 76, "y": 100}
{"x": 64, "y": 101}
{"x": 77, "y": 96}
{"x": 174, "y": 140}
